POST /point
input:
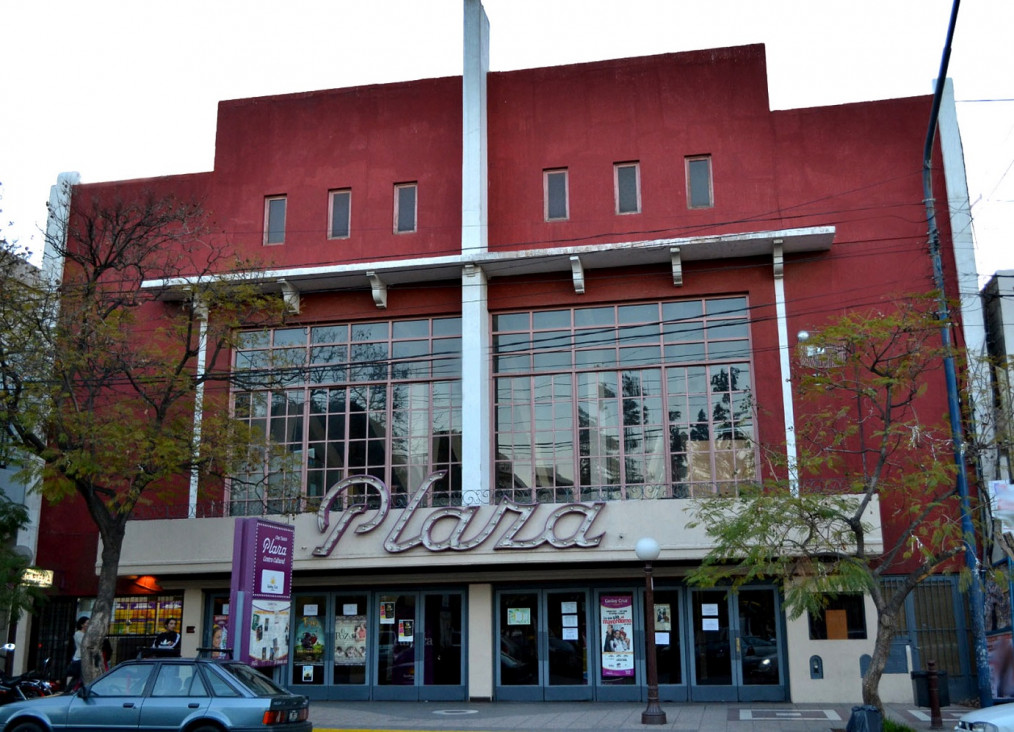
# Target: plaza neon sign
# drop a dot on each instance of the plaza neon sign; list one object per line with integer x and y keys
{"x": 456, "y": 537}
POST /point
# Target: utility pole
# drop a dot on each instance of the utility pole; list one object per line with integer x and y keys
{"x": 975, "y": 592}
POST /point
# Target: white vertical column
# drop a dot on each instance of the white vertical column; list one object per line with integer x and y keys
{"x": 475, "y": 325}
{"x": 474, "y": 181}
{"x": 973, "y": 318}
{"x": 475, "y": 389}
{"x": 57, "y": 223}
{"x": 481, "y": 659}
{"x": 786, "y": 369}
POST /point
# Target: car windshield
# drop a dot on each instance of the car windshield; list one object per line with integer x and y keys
{"x": 252, "y": 679}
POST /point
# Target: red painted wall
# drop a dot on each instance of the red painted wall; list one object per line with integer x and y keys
{"x": 367, "y": 139}
{"x": 856, "y": 167}
{"x": 655, "y": 110}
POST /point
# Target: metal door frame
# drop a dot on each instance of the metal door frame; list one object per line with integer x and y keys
{"x": 542, "y": 691}
{"x": 737, "y": 690}
{"x": 417, "y": 691}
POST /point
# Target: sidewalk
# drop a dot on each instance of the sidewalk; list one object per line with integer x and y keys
{"x": 330, "y": 716}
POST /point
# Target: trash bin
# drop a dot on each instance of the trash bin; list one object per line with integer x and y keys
{"x": 865, "y": 718}
{"x": 920, "y": 688}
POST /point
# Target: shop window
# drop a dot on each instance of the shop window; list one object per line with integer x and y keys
{"x": 138, "y": 619}
{"x": 843, "y": 618}
{"x": 556, "y": 188}
{"x": 274, "y": 220}
{"x": 405, "y": 206}
{"x": 700, "y": 193}
{"x": 340, "y": 214}
{"x": 627, "y": 185}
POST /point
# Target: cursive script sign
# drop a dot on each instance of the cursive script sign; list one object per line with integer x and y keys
{"x": 272, "y": 547}
{"x": 458, "y": 536}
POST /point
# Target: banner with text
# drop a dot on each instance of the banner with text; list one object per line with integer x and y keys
{"x": 262, "y": 571}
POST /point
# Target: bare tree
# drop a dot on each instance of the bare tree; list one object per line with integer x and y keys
{"x": 101, "y": 375}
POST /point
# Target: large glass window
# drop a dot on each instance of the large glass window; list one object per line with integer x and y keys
{"x": 623, "y": 402}
{"x": 330, "y": 401}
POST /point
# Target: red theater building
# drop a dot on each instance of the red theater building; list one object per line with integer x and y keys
{"x": 540, "y": 314}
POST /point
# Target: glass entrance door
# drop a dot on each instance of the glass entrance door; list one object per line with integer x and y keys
{"x": 309, "y": 644}
{"x": 737, "y": 646}
{"x": 543, "y": 645}
{"x": 620, "y": 669}
{"x": 443, "y": 655}
{"x": 419, "y": 646}
{"x": 350, "y": 659}
{"x": 396, "y": 652}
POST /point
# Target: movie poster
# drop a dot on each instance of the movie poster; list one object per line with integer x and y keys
{"x": 350, "y": 640}
{"x": 617, "y": 614}
{"x": 309, "y": 639}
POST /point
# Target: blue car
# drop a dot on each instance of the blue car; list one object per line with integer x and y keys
{"x": 198, "y": 695}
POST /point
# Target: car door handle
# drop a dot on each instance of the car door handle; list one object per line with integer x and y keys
{"x": 128, "y": 705}
{"x": 193, "y": 706}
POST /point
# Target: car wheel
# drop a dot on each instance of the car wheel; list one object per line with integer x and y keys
{"x": 27, "y": 727}
{"x": 206, "y": 728}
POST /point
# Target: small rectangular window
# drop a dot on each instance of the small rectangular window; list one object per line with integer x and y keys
{"x": 340, "y": 213}
{"x": 555, "y": 182}
{"x": 843, "y": 618}
{"x": 699, "y": 190}
{"x": 405, "y": 208}
{"x": 274, "y": 220}
{"x": 627, "y": 183}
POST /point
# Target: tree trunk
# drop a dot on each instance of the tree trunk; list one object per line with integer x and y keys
{"x": 887, "y": 626}
{"x": 102, "y": 611}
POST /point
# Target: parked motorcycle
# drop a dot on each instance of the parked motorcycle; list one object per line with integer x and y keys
{"x": 29, "y": 685}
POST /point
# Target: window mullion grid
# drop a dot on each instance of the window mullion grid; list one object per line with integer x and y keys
{"x": 712, "y": 436}
{"x": 304, "y": 463}
{"x": 668, "y": 480}
{"x": 532, "y": 432}
{"x": 621, "y": 426}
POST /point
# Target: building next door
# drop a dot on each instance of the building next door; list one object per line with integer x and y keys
{"x": 737, "y": 646}
{"x": 543, "y": 645}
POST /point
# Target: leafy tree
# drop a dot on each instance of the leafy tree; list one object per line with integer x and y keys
{"x": 866, "y": 438}
{"x": 16, "y": 597}
{"x": 100, "y": 374}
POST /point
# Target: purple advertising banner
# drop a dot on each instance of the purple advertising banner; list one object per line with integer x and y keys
{"x": 262, "y": 577}
{"x": 273, "y": 544}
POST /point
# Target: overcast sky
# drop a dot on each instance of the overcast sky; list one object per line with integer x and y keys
{"x": 118, "y": 89}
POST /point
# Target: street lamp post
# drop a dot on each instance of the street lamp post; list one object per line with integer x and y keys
{"x": 647, "y": 550}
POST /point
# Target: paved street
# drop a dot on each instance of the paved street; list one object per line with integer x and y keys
{"x": 594, "y": 717}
